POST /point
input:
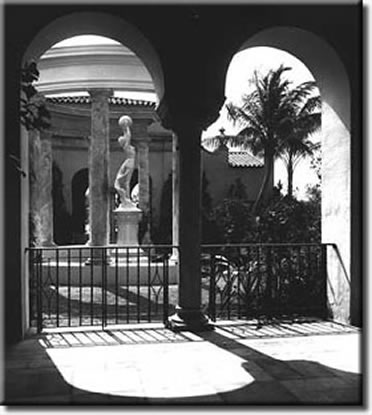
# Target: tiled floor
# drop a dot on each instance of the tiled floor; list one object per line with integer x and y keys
{"x": 237, "y": 363}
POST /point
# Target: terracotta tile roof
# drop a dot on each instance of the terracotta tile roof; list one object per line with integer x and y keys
{"x": 86, "y": 100}
{"x": 243, "y": 159}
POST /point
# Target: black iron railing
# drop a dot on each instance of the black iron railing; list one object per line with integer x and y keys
{"x": 251, "y": 280}
{"x": 90, "y": 286}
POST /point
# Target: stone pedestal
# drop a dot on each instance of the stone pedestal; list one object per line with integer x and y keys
{"x": 127, "y": 221}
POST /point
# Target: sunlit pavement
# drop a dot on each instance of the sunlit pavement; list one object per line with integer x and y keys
{"x": 237, "y": 363}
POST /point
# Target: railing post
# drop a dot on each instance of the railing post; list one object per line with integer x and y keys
{"x": 212, "y": 289}
{"x": 104, "y": 288}
{"x": 323, "y": 273}
{"x": 269, "y": 282}
{"x": 166, "y": 290}
{"x": 32, "y": 284}
{"x": 69, "y": 287}
{"x": 39, "y": 302}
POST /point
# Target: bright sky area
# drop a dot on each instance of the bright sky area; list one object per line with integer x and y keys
{"x": 238, "y": 76}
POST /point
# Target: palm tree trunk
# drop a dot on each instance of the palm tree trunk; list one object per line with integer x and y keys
{"x": 290, "y": 176}
{"x": 265, "y": 191}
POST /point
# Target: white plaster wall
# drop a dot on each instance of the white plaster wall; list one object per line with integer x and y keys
{"x": 336, "y": 215}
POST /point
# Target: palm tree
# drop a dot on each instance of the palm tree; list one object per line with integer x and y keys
{"x": 275, "y": 119}
{"x": 296, "y": 146}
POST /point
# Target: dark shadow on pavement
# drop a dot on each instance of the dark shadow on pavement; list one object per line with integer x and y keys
{"x": 276, "y": 382}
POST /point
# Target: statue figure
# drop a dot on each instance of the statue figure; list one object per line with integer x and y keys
{"x": 124, "y": 174}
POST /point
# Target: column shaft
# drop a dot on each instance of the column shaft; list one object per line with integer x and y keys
{"x": 144, "y": 185}
{"x": 99, "y": 151}
{"x": 41, "y": 183}
{"x": 189, "y": 315}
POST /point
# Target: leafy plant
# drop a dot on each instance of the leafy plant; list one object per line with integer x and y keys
{"x": 33, "y": 109}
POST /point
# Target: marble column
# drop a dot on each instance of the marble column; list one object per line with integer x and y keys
{"x": 99, "y": 152}
{"x": 175, "y": 195}
{"x": 188, "y": 314}
{"x": 41, "y": 183}
{"x": 142, "y": 147}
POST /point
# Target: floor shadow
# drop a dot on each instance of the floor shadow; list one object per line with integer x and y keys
{"x": 276, "y": 382}
{"x": 280, "y": 382}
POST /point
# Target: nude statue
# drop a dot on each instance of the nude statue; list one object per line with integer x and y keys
{"x": 124, "y": 174}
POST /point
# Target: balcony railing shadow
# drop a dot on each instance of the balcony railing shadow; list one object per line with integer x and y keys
{"x": 39, "y": 380}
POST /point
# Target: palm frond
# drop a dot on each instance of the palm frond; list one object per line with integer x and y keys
{"x": 312, "y": 104}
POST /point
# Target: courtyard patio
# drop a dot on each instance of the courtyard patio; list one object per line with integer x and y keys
{"x": 298, "y": 362}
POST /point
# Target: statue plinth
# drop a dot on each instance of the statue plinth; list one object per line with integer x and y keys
{"x": 127, "y": 221}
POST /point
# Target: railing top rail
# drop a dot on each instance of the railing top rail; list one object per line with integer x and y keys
{"x": 66, "y": 247}
{"x": 266, "y": 244}
{"x": 162, "y": 246}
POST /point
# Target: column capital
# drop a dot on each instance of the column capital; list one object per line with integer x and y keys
{"x": 46, "y": 134}
{"x": 101, "y": 92}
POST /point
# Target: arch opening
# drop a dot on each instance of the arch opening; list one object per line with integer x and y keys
{"x": 332, "y": 80}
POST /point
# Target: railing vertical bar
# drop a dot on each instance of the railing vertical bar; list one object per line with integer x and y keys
{"x": 279, "y": 276}
{"x": 69, "y": 286}
{"x": 149, "y": 285}
{"x": 212, "y": 288}
{"x": 48, "y": 300}
{"x": 270, "y": 301}
{"x": 229, "y": 292}
{"x": 138, "y": 286}
{"x": 116, "y": 286}
{"x": 300, "y": 275}
{"x": 309, "y": 270}
{"x": 92, "y": 253}
{"x": 324, "y": 296}
{"x": 80, "y": 288}
{"x": 57, "y": 286}
{"x": 127, "y": 284}
{"x": 259, "y": 282}
{"x": 39, "y": 301}
{"x": 239, "y": 271}
{"x": 103, "y": 291}
{"x": 156, "y": 272}
{"x": 31, "y": 289}
{"x": 165, "y": 290}
{"x": 278, "y": 259}
{"x": 301, "y": 265}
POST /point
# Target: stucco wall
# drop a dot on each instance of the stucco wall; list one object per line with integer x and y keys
{"x": 336, "y": 226}
{"x": 221, "y": 176}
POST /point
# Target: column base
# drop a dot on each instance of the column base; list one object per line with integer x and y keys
{"x": 98, "y": 261}
{"x": 190, "y": 320}
{"x": 96, "y": 258}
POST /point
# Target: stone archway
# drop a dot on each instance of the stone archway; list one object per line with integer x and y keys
{"x": 67, "y": 26}
{"x": 333, "y": 83}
